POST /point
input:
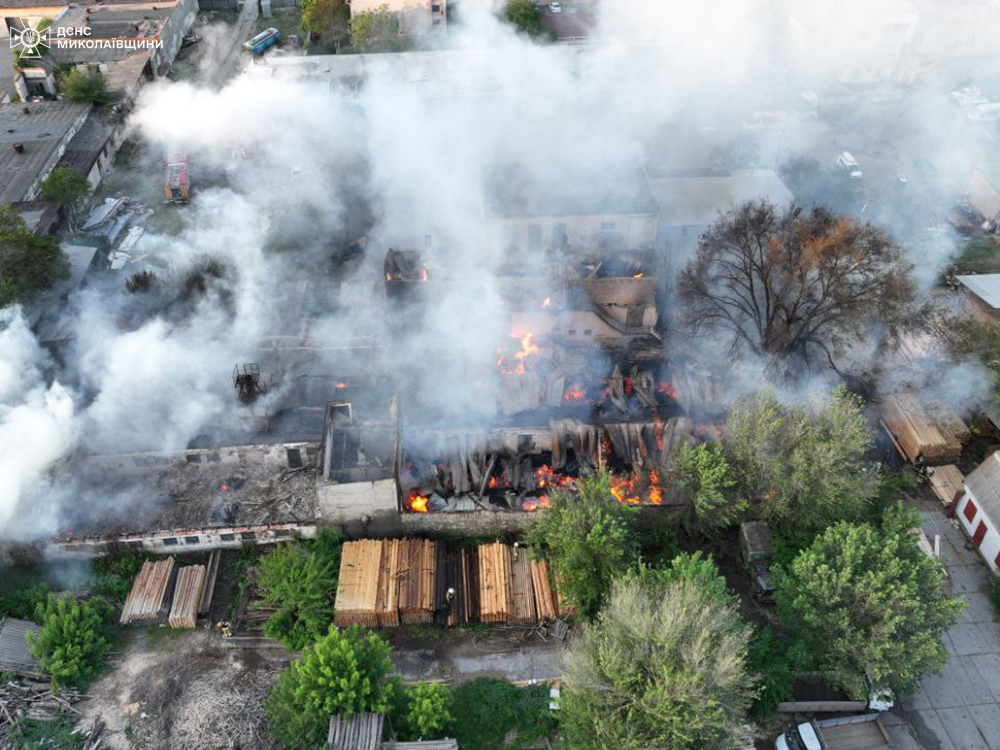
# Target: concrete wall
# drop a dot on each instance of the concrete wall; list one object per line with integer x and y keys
{"x": 464, "y": 525}
{"x": 989, "y": 548}
{"x": 178, "y": 24}
{"x": 275, "y": 456}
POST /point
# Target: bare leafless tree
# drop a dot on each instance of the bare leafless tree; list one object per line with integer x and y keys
{"x": 795, "y": 286}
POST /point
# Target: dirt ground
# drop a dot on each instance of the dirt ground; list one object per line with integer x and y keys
{"x": 179, "y": 689}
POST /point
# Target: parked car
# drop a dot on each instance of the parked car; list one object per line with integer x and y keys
{"x": 757, "y": 550}
{"x": 864, "y": 732}
{"x": 555, "y": 7}
{"x": 849, "y": 164}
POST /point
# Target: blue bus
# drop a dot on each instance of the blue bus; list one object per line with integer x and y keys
{"x": 264, "y": 40}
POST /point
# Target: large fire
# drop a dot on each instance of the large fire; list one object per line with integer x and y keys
{"x": 545, "y": 477}
{"x": 547, "y": 302}
{"x": 629, "y": 489}
{"x": 527, "y": 349}
{"x": 573, "y": 393}
{"x": 534, "y": 503}
{"x": 417, "y": 502}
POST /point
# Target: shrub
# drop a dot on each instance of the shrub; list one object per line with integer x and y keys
{"x": 73, "y": 640}
{"x": 301, "y": 582}
{"x": 22, "y": 604}
{"x": 345, "y": 672}
{"x": 776, "y": 662}
{"x": 115, "y": 573}
{"x": 422, "y": 712}
{"x": 487, "y": 710}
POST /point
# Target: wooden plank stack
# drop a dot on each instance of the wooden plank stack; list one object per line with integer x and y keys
{"x": 187, "y": 596}
{"x": 357, "y": 587}
{"x": 947, "y": 482}
{"x": 947, "y": 421}
{"x": 211, "y": 573}
{"x": 917, "y": 434}
{"x": 495, "y": 603}
{"x": 146, "y": 597}
{"x": 417, "y": 581}
{"x": 522, "y": 592}
{"x": 387, "y": 602}
{"x": 545, "y": 601}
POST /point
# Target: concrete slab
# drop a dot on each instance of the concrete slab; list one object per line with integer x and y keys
{"x": 978, "y": 608}
{"x": 987, "y": 719}
{"x": 962, "y": 729}
{"x": 901, "y": 738}
{"x": 930, "y": 731}
{"x": 941, "y": 690}
{"x": 918, "y": 701}
{"x": 965, "y": 579}
{"x": 988, "y": 666}
{"x": 966, "y": 638}
{"x": 967, "y": 680}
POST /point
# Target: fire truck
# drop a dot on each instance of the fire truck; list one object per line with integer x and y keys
{"x": 176, "y": 184}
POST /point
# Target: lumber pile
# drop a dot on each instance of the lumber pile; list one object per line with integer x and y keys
{"x": 416, "y": 581}
{"x": 916, "y": 433}
{"x": 947, "y": 482}
{"x": 149, "y": 589}
{"x": 387, "y": 601}
{"x": 457, "y": 570}
{"x": 357, "y": 587}
{"x": 522, "y": 592}
{"x": 211, "y": 574}
{"x": 541, "y": 584}
{"x": 947, "y": 421}
{"x": 187, "y": 596}
{"x": 495, "y": 603}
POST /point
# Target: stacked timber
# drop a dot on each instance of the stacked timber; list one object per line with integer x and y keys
{"x": 494, "y": 583}
{"x": 357, "y": 587}
{"x": 146, "y": 597}
{"x": 187, "y": 596}
{"x": 947, "y": 421}
{"x": 211, "y": 574}
{"x": 545, "y": 601}
{"x": 916, "y": 434}
{"x": 387, "y": 602}
{"x": 417, "y": 581}
{"x": 522, "y": 593}
{"x": 947, "y": 482}
{"x": 457, "y": 571}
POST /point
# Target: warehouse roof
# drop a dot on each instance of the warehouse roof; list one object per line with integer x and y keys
{"x": 694, "y": 198}
{"x": 15, "y": 653}
{"x": 42, "y": 133}
{"x": 986, "y": 286}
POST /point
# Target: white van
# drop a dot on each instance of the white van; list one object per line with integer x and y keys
{"x": 850, "y": 165}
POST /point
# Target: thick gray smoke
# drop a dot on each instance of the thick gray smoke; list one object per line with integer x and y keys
{"x": 290, "y": 173}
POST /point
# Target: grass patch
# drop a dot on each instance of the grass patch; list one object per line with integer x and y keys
{"x": 488, "y": 710}
{"x": 287, "y": 21}
{"x": 31, "y": 734}
{"x": 980, "y": 255}
{"x": 159, "y": 637}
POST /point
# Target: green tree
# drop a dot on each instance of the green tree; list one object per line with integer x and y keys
{"x": 589, "y": 538}
{"x": 329, "y": 18}
{"x": 707, "y": 480}
{"x": 74, "y": 638}
{"x": 375, "y": 31}
{"x": 69, "y": 187}
{"x": 525, "y": 16}
{"x": 302, "y": 585}
{"x": 664, "y": 665}
{"x": 685, "y": 566}
{"x": 85, "y": 88}
{"x": 345, "y": 672}
{"x": 28, "y": 264}
{"x": 777, "y": 662}
{"x": 489, "y": 711}
{"x": 422, "y": 712}
{"x": 867, "y": 603}
{"x": 803, "y": 466}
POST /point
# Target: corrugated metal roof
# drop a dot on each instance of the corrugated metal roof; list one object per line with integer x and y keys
{"x": 15, "y": 653}
{"x": 986, "y": 286}
{"x": 41, "y": 132}
{"x": 984, "y": 484}
{"x": 358, "y": 732}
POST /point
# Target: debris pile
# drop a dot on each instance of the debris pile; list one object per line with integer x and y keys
{"x": 34, "y": 699}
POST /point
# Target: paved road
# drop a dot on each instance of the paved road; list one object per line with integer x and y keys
{"x": 960, "y": 710}
{"x": 242, "y": 31}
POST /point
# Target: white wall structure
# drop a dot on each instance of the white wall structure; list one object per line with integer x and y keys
{"x": 978, "y": 509}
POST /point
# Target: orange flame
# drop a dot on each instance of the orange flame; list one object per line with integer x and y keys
{"x": 532, "y": 504}
{"x": 527, "y": 349}
{"x": 546, "y": 477}
{"x": 423, "y": 274}
{"x": 388, "y": 277}
{"x": 547, "y": 302}
{"x": 341, "y": 386}
{"x": 667, "y": 389}
{"x": 573, "y": 394}
{"x": 417, "y": 502}
{"x": 638, "y": 275}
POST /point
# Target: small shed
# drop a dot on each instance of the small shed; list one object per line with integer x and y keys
{"x": 15, "y": 653}
{"x": 357, "y": 732}
{"x": 983, "y": 295}
{"x": 978, "y": 509}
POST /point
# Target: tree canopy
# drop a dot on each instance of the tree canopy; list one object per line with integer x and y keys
{"x": 68, "y": 187}
{"x": 708, "y": 482}
{"x": 589, "y": 538}
{"x": 869, "y": 606}
{"x": 330, "y": 18}
{"x": 804, "y": 465}
{"x": 86, "y": 88}
{"x": 74, "y": 638}
{"x": 376, "y": 31}
{"x": 345, "y": 672}
{"x": 664, "y": 665}
{"x": 794, "y": 287}
{"x": 28, "y": 264}
{"x": 524, "y": 15}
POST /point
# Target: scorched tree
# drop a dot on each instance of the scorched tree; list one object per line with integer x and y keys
{"x": 796, "y": 287}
